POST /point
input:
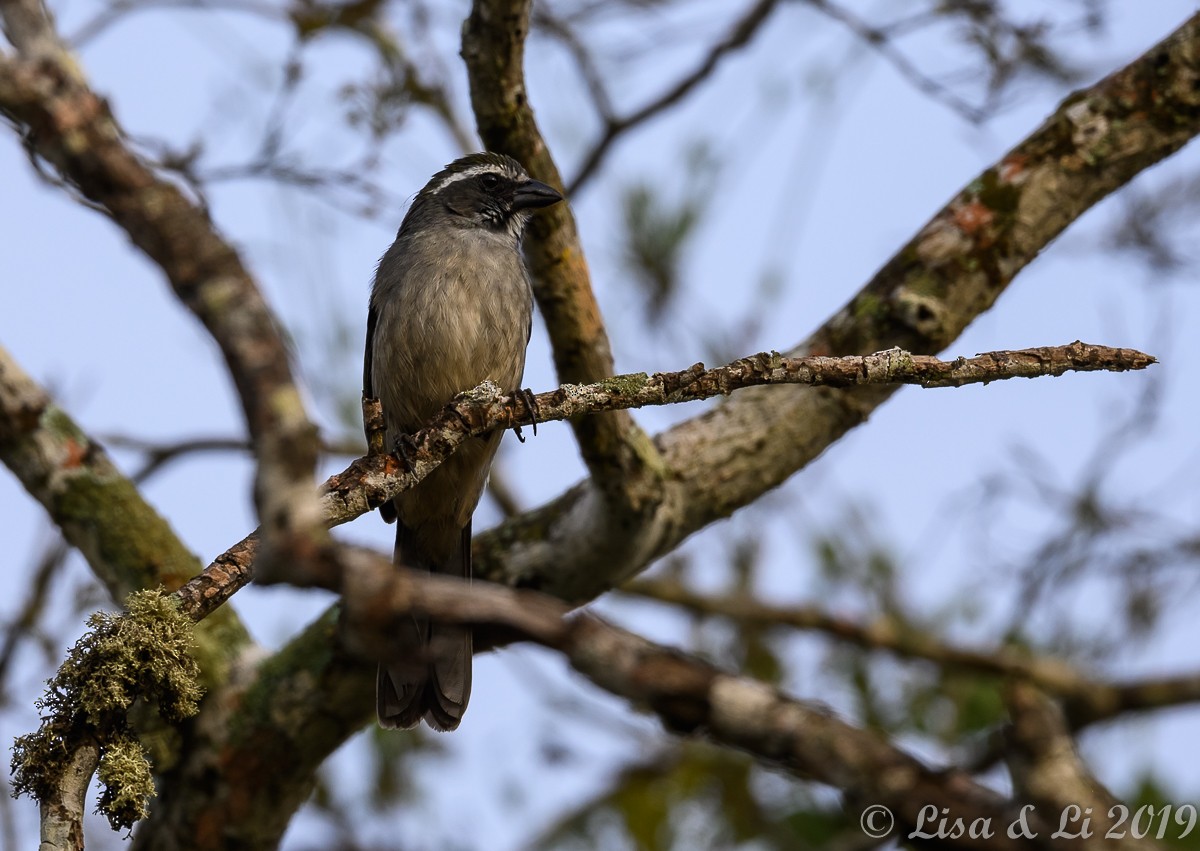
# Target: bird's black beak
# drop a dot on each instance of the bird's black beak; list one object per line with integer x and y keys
{"x": 533, "y": 194}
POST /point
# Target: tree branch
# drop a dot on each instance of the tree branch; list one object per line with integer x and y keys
{"x": 1054, "y": 675}
{"x": 127, "y": 544}
{"x": 620, "y": 457}
{"x": 687, "y": 694}
{"x": 65, "y": 123}
{"x": 1086, "y": 700}
{"x": 1047, "y": 770}
{"x": 373, "y": 480}
{"x": 62, "y": 814}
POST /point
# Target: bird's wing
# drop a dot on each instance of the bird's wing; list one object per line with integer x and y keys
{"x": 368, "y": 392}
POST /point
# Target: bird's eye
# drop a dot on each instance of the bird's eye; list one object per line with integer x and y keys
{"x": 490, "y": 181}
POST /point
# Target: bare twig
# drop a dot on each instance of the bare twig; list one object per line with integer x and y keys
{"x": 739, "y": 35}
{"x": 25, "y": 623}
{"x": 1086, "y": 699}
{"x": 879, "y": 634}
{"x": 158, "y": 455}
{"x": 117, "y": 10}
{"x": 880, "y": 40}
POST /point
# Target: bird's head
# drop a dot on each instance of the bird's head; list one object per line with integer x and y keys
{"x": 486, "y": 190}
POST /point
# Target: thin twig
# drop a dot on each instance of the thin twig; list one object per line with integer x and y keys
{"x": 739, "y": 36}
{"x": 371, "y": 481}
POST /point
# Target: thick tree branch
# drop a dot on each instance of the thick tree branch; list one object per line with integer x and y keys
{"x": 263, "y": 744}
{"x": 620, "y": 457}
{"x": 65, "y": 123}
{"x": 688, "y": 695}
{"x": 128, "y": 544}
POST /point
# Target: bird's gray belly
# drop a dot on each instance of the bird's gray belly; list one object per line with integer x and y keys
{"x": 433, "y": 342}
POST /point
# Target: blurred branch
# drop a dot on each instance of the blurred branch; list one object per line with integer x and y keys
{"x": 117, "y": 10}
{"x": 620, "y": 457}
{"x": 880, "y": 40}
{"x": 500, "y": 489}
{"x": 26, "y": 621}
{"x": 1086, "y": 700}
{"x": 71, "y": 127}
{"x": 1048, "y": 771}
{"x": 158, "y": 455}
{"x": 739, "y": 35}
{"x": 29, "y": 27}
{"x": 1097, "y": 703}
{"x": 561, "y": 29}
{"x": 687, "y": 694}
{"x": 1105, "y": 701}
{"x": 883, "y": 633}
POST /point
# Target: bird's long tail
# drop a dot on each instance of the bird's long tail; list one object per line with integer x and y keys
{"x": 432, "y": 679}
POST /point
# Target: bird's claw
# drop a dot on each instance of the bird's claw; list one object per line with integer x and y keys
{"x": 530, "y": 401}
{"x": 466, "y": 423}
{"x": 402, "y": 446}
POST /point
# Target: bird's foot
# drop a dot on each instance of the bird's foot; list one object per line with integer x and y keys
{"x": 402, "y": 447}
{"x": 530, "y": 401}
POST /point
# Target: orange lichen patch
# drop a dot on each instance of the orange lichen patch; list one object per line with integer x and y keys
{"x": 973, "y": 217}
{"x": 76, "y": 453}
{"x": 1013, "y": 167}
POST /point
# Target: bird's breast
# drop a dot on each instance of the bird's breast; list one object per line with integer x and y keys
{"x": 452, "y": 313}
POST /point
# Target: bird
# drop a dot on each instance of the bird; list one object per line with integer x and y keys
{"x": 451, "y": 306}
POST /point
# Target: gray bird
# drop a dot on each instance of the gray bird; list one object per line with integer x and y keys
{"x": 451, "y": 306}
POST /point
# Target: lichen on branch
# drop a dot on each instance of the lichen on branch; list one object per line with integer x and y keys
{"x": 143, "y": 654}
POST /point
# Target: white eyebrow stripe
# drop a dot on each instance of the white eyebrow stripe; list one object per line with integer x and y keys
{"x": 487, "y": 168}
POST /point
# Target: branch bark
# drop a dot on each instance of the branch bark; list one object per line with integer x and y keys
{"x": 62, "y": 816}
